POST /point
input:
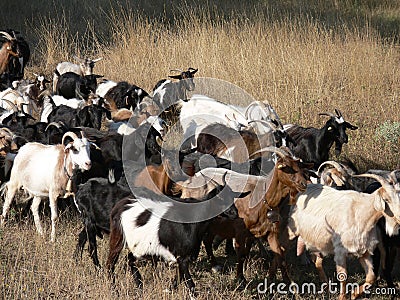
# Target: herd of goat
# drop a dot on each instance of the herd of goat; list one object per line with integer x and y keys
{"x": 100, "y": 144}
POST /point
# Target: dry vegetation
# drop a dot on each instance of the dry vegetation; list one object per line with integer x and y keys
{"x": 305, "y": 57}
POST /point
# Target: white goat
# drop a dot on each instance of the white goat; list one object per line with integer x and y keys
{"x": 336, "y": 222}
{"x": 201, "y": 111}
{"x": 44, "y": 171}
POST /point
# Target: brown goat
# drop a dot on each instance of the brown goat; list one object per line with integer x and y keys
{"x": 220, "y": 140}
{"x": 259, "y": 211}
{"x": 8, "y": 50}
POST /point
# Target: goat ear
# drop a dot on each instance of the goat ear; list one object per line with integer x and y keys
{"x": 67, "y": 147}
{"x": 350, "y": 126}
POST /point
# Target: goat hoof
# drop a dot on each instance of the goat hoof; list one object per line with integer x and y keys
{"x": 216, "y": 269}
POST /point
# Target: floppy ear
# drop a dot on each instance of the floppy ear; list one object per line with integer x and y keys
{"x": 67, "y": 147}
{"x": 349, "y": 126}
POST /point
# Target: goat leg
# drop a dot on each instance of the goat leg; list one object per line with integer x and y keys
{"x": 278, "y": 260}
{"x": 366, "y": 262}
{"x": 134, "y": 270}
{"x": 208, "y": 240}
{"x": 80, "y": 245}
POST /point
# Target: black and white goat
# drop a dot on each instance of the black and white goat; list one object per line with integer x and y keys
{"x": 85, "y": 67}
{"x": 146, "y": 224}
{"x": 71, "y": 85}
{"x": 121, "y": 94}
{"x": 166, "y": 93}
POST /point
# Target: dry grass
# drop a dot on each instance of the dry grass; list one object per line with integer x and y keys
{"x": 305, "y": 57}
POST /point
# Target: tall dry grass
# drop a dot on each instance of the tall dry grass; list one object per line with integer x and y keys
{"x": 332, "y": 56}
{"x": 299, "y": 66}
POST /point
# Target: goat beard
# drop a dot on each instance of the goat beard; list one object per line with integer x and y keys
{"x": 338, "y": 148}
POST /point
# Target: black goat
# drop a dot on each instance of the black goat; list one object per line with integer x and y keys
{"x": 88, "y": 116}
{"x": 313, "y": 145}
{"x": 94, "y": 200}
{"x": 71, "y": 85}
{"x": 144, "y": 145}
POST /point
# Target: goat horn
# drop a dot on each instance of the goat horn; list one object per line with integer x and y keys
{"x": 332, "y": 163}
{"x": 78, "y": 59}
{"x": 7, "y": 35}
{"x": 385, "y": 184}
{"x": 8, "y": 131}
{"x": 56, "y": 124}
{"x": 69, "y": 134}
{"x": 393, "y": 176}
{"x": 327, "y": 114}
{"x": 179, "y": 70}
{"x": 276, "y": 150}
{"x": 97, "y": 59}
{"x": 14, "y": 107}
{"x": 159, "y": 141}
{"x": 338, "y": 112}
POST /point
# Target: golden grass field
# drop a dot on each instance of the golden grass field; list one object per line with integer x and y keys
{"x": 304, "y": 57}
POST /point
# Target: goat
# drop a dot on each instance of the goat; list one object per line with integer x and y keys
{"x": 259, "y": 210}
{"x": 94, "y": 200}
{"x": 144, "y": 144}
{"x": 85, "y": 67}
{"x": 315, "y": 218}
{"x": 167, "y": 93}
{"x": 225, "y": 142}
{"x": 43, "y": 171}
{"x": 201, "y": 111}
{"x": 71, "y": 85}
{"x": 385, "y": 253}
{"x": 313, "y": 145}
{"x": 14, "y": 55}
{"x": 88, "y": 116}
{"x": 120, "y": 94}
{"x": 147, "y": 224}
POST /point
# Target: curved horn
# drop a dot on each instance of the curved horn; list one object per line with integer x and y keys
{"x": 159, "y": 141}
{"x": 14, "y": 107}
{"x": 56, "y": 124}
{"x": 327, "y": 114}
{"x": 276, "y": 150}
{"x": 332, "y": 163}
{"x": 385, "y": 184}
{"x": 78, "y": 59}
{"x": 267, "y": 123}
{"x": 7, "y": 35}
{"x": 179, "y": 70}
{"x": 7, "y": 130}
{"x": 97, "y": 59}
{"x": 69, "y": 134}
